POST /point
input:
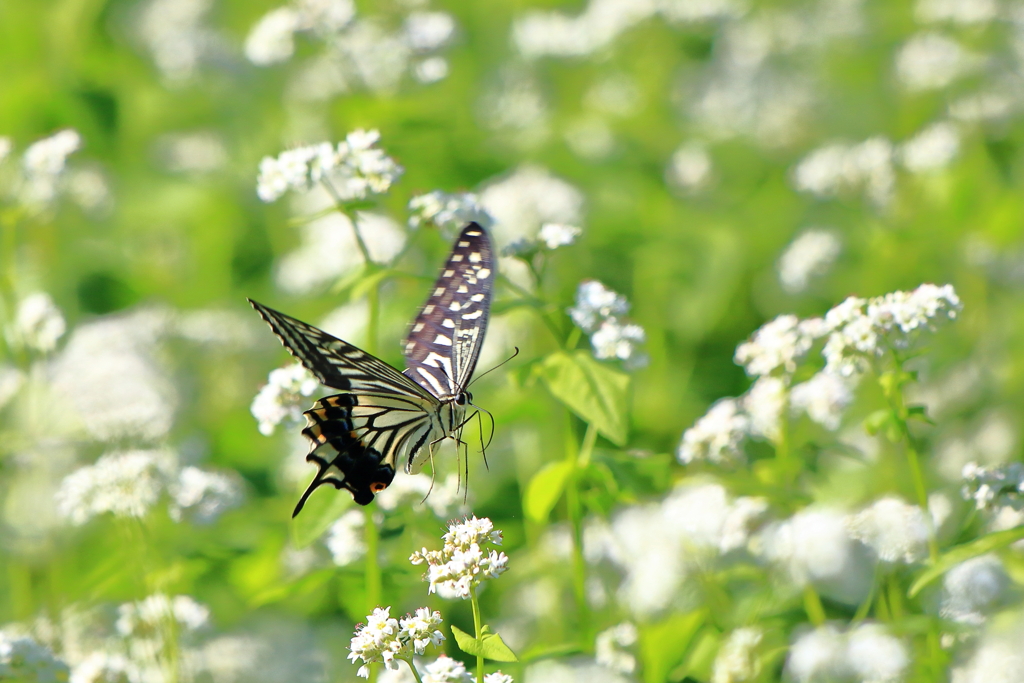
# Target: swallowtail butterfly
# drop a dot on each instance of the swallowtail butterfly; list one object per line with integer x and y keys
{"x": 382, "y": 417}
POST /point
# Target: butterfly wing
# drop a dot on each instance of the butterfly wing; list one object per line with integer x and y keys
{"x": 444, "y": 343}
{"x": 380, "y": 418}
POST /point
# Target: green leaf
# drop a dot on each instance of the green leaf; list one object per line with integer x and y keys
{"x": 874, "y": 422}
{"x": 919, "y": 413}
{"x": 964, "y": 552}
{"x": 664, "y": 644}
{"x": 544, "y": 490}
{"x": 592, "y": 390}
{"x": 319, "y": 513}
{"x": 489, "y": 645}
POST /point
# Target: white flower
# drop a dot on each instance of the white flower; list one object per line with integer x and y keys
{"x": 743, "y": 518}
{"x": 931, "y": 149}
{"x": 615, "y": 340}
{"x": 813, "y": 545}
{"x": 378, "y": 641}
{"x": 422, "y": 629}
{"x": 126, "y": 484}
{"x": 431, "y": 69}
{"x": 11, "y": 380}
{"x": 48, "y": 156}
{"x": 929, "y": 60}
{"x": 777, "y": 345}
{"x": 594, "y": 304}
{"x": 868, "y": 654}
{"x": 497, "y": 677}
{"x": 446, "y": 670}
{"x": 283, "y": 396}
{"x": 994, "y": 487}
{"x": 972, "y": 588}
{"x": 609, "y": 647}
{"x": 23, "y": 659}
{"x": 896, "y": 531}
{"x": 764, "y": 404}
{"x": 151, "y": 615}
{"x": 839, "y": 168}
{"x": 738, "y": 658}
{"x": 104, "y": 667}
{"x": 345, "y": 538}
{"x": 464, "y": 562}
{"x": 203, "y": 496}
{"x": 555, "y": 235}
{"x": 448, "y": 211}
{"x": 271, "y": 40}
{"x": 824, "y": 397}
{"x": 875, "y": 656}
{"x": 717, "y": 437}
{"x": 690, "y": 168}
{"x": 809, "y": 255}
{"x": 818, "y": 655}
{"x": 998, "y": 657}
{"x": 426, "y": 31}
{"x": 442, "y": 497}
{"x": 38, "y": 323}
{"x": 523, "y": 201}
{"x": 956, "y": 11}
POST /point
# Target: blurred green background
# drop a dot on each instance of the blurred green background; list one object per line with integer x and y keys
{"x": 692, "y": 141}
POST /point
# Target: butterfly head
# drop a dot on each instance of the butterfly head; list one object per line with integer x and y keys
{"x": 463, "y": 398}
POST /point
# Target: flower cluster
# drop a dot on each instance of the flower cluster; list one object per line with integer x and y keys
{"x": 994, "y": 487}
{"x": 354, "y": 169}
{"x": 385, "y": 639}
{"x": 598, "y": 312}
{"x": 865, "y": 653}
{"x": 738, "y": 658}
{"x": 448, "y": 670}
{"x": 447, "y": 211}
{"x": 464, "y": 561}
{"x": 148, "y": 616}
{"x": 778, "y": 345}
{"x": 550, "y": 236}
{"x": 717, "y": 437}
{"x": 23, "y": 659}
{"x": 38, "y": 323}
{"x": 807, "y": 256}
{"x": 610, "y": 648}
{"x": 283, "y": 396}
{"x": 893, "y": 529}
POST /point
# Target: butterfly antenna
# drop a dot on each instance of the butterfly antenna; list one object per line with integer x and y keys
{"x": 430, "y": 454}
{"x": 480, "y": 431}
{"x": 495, "y": 367}
{"x": 484, "y": 410}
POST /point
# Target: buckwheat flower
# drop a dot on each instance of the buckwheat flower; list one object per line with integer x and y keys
{"x": 932, "y": 149}
{"x": 48, "y": 156}
{"x": 431, "y": 69}
{"x": 896, "y": 531}
{"x": 377, "y": 641}
{"x": 717, "y": 437}
{"x": 972, "y": 588}
{"x": 911, "y": 311}
{"x": 764, "y": 405}
{"x": 841, "y": 168}
{"x": 531, "y": 196}
{"x": 818, "y": 655}
{"x": 11, "y": 380}
{"x": 811, "y": 254}
{"x": 994, "y": 487}
{"x": 745, "y": 516}
{"x": 875, "y": 656}
{"x": 738, "y": 658}
{"x": 824, "y": 397}
{"x": 446, "y": 670}
{"x": 38, "y": 323}
{"x": 929, "y": 61}
{"x": 203, "y": 496}
{"x": 151, "y": 615}
{"x": 464, "y": 562}
{"x": 440, "y": 497}
{"x": 426, "y": 31}
{"x": 965, "y": 12}
{"x": 616, "y": 340}
{"x": 447, "y": 211}
{"x": 104, "y": 667}
{"x": 422, "y": 629}
{"x": 497, "y": 677}
{"x": 689, "y": 169}
{"x": 776, "y": 346}
{"x": 272, "y": 40}
{"x": 23, "y": 659}
{"x": 345, "y": 538}
{"x": 125, "y": 484}
{"x": 283, "y": 396}
{"x": 596, "y": 303}
{"x": 555, "y": 235}
{"x": 813, "y": 545}
{"x": 610, "y": 644}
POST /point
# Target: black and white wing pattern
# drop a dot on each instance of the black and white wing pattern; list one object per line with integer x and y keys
{"x": 444, "y": 343}
{"x": 379, "y": 419}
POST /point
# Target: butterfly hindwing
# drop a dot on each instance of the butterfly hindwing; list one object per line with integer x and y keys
{"x": 444, "y": 343}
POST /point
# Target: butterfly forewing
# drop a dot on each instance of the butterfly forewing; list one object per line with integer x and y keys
{"x": 444, "y": 343}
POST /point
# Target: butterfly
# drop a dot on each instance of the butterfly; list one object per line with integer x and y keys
{"x": 382, "y": 417}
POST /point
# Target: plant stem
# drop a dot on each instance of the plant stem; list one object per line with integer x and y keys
{"x": 782, "y": 450}
{"x": 813, "y": 607}
{"x": 340, "y": 205}
{"x": 372, "y": 318}
{"x": 479, "y": 630}
{"x": 372, "y": 567}
{"x": 579, "y": 459}
{"x": 415, "y": 673}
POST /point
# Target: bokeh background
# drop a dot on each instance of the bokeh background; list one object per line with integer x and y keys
{"x": 727, "y": 161}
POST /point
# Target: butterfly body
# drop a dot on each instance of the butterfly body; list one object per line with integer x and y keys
{"x": 383, "y": 417}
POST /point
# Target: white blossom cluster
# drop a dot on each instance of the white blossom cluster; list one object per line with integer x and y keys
{"x": 447, "y": 670}
{"x": 811, "y": 254}
{"x": 611, "y": 647}
{"x": 465, "y": 560}
{"x": 973, "y": 588}
{"x": 272, "y": 40}
{"x": 867, "y": 652}
{"x": 24, "y": 659}
{"x": 550, "y": 236}
{"x": 354, "y": 168}
{"x": 37, "y": 325}
{"x": 893, "y": 529}
{"x": 130, "y": 483}
{"x": 930, "y": 60}
{"x": 777, "y": 346}
{"x": 738, "y": 658}
{"x": 389, "y": 640}
{"x": 839, "y": 168}
{"x": 448, "y": 211}
{"x": 717, "y": 437}
{"x": 994, "y": 487}
{"x": 43, "y": 174}
{"x": 283, "y": 396}
{"x": 598, "y": 312}
{"x": 151, "y": 615}
{"x": 345, "y": 539}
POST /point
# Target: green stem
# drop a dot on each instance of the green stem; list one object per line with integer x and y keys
{"x": 479, "y": 629}
{"x": 415, "y": 673}
{"x": 340, "y": 205}
{"x": 813, "y": 607}
{"x": 536, "y": 304}
{"x": 574, "y": 338}
{"x": 782, "y": 450}
{"x": 579, "y": 459}
{"x": 372, "y": 567}
{"x": 373, "y": 318}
